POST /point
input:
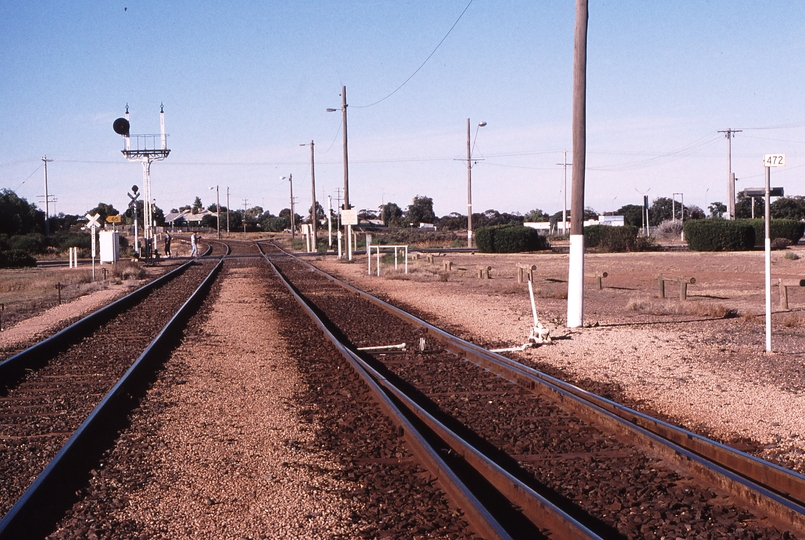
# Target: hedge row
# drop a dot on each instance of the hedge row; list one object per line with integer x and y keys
{"x": 509, "y": 239}
{"x": 780, "y": 228}
{"x": 719, "y": 235}
{"x": 611, "y": 239}
{"x": 16, "y": 258}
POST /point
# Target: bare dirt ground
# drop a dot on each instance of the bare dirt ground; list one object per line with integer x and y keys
{"x": 700, "y": 363}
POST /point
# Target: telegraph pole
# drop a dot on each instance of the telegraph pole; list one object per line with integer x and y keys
{"x": 244, "y": 217}
{"x": 313, "y": 215}
{"x": 45, "y": 160}
{"x": 564, "y": 194}
{"x": 575, "y": 281}
{"x": 729, "y": 133}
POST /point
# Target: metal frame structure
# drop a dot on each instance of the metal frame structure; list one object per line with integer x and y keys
{"x": 146, "y": 151}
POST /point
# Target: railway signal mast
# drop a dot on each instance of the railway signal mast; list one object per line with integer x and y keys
{"x": 145, "y": 149}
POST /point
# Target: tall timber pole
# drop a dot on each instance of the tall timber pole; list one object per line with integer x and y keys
{"x": 575, "y": 282}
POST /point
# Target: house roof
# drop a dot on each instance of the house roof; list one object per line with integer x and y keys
{"x": 189, "y": 216}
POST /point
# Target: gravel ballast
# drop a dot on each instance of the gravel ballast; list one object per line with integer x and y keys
{"x": 700, "y": 363}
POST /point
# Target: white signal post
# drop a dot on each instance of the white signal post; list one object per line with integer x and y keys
{"x": 93, "y": 225}
{"x": 769, "y": 161}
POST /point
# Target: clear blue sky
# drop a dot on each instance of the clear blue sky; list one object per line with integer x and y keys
{"x": 244, "y": 83}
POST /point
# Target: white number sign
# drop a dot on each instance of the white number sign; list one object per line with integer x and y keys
{"x": 774, "y": 160}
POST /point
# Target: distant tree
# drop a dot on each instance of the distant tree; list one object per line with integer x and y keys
{"x": 743, "y": 206}
{"x": 210, "y": 221}
{"x": 251, "y": 217}
{"x": 694, "y": 212}
{"x": 589, "y": 215}
{"x": 788, "y": 208}
{"x": 661, "y": 210}
{"x": 492, "y": 217}
{"x": 105, "y": 210}
{"x": 420, "y": 211}
{"x": 717, "y": 209}
{"x": 632, "y": 214}
{"x": 536, "y": 215}
{"x": 17, "y": 215}
{"x": 366, "y": 214}
{"x": 452, "y": 222}
{"x": 320, "y": 214}
{"x": 197, "y": 206}
{"x": 391, "y": 214}
{"x": 666, "y": 209}
{"x": 273, "y": 223}
{"x": 235, "y": 220}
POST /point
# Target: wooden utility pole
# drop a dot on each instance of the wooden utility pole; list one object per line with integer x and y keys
{"x": 45, "y": 160}
{"x": 469, "y": 187}
{"x": 730, "y": 133}
{"x": 575, "y": 282}
{"x": 564, "y": 194}
{"x": 313, "y": 213}
{"x": 293, "y": 225}
{"x": 346, "y": 153}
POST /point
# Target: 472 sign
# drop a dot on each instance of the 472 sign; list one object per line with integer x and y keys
{"x": 774, "y": 160}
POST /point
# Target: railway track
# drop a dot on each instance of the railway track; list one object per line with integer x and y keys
{"x": 570, "y": 463}
{"x": 522, "y": 455}
{"x": 62, "y": 400}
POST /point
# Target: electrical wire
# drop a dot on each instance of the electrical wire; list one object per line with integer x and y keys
{"x": 420, "y": 66}
{"x": 780, "y": 126}
{"x": 29, "y": 177}
{"x": 662, "y": 158}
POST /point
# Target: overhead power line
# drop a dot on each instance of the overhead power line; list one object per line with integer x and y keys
{"x": 420, "y": 65}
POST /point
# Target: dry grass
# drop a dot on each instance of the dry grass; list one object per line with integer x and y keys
{"x": 791, "y": 320}
{"x": 27, "y": 291}
{"x": 676, "y": 307}
{"x": 124, "y": 270}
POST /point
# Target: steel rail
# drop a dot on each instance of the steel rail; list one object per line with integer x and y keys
{"x": 29, "y": 517}
{"x": 778, "y": 491}
{"x": 14, "y": 368}
{"x": 536, "y": 508}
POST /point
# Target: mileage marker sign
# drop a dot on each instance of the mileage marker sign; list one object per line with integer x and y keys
{"x": 769, "y": 161}
{"x": 774, "y": 160}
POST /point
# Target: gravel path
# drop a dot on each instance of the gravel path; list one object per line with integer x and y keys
{"x": 227, "y": 453}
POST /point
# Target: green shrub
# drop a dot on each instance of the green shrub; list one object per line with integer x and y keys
{"x": 719, "y": 235}
{"x": 509, "y": 239}
{"x": 79, "y": 240}
{"x": 30, "y": 243}
{"x": 611, "y": 239}
{"x": 16, "y": 258}
{"x": 780, "y": 228}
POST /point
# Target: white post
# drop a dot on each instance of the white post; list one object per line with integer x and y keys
{"x": 378, "y": 260}
{"x": 329, "y": 222}
{"x": 369, "y": 252}
{"x": 92, "y": 229}
{"x": 768, "y": 260}
{"x": 349, "y": 242}
{"x": 339, "y": 245}
{"x": 406, "y": 259}
{"x": 575, "y": 282}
